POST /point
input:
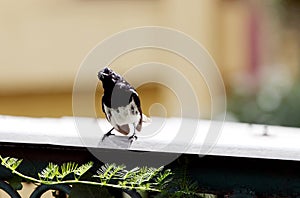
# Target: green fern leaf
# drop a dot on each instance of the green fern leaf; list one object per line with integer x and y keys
{"x": 49, "y": 173}
{"x": 66, "y": 169}
{"x": 11, "y": 163}
{"x": 162, "y": 179}
{"x": 78, "y": 172}
{"x": 108, "y": 172}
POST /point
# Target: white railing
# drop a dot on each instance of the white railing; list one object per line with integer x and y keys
{"x": 234, "y": 139}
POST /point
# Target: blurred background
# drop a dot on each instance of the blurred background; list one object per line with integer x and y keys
{"x": 255, "y": 44}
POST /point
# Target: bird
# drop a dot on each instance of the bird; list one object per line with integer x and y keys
{"x": 121, "y": 104}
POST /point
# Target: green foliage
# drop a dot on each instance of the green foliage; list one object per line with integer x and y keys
{"x": 163, "y": 179}
{"x": 108, "y": 175}
{"x": 181, "y": 187}
{"x": 137, "y": 178}
{"x": 15, "y": 182}
{"x": 182, "y": 184}
{"x": 54, "y": 172}
{"x": 67, "y": 168}
{"x": 49, "y": 173}
{"x": 110, "y": 172}
{"x": 250, "y": 107}
{"x": 11, "y": 163}
{"x": 78, "y": 172}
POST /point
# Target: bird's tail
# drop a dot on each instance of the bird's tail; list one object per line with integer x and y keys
{"x": 146, "y": 120}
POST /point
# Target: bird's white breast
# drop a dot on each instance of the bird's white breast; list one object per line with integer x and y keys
{"x": 128, "y": 114}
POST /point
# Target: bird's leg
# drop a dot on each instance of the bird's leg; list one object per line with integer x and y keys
{"x": 107, "y": 134}
{"x": 133, "y": 137}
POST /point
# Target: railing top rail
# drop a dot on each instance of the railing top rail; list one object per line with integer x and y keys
{"x": 162, "y": 135}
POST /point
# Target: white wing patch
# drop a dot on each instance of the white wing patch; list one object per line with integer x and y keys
{"x": 123, "y": 115}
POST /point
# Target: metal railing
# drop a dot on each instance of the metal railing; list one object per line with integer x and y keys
{"x": 246, "y": 161}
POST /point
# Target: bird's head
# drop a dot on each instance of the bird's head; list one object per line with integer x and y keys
{"x": 105, "y": 74}
{"x": 108, "y": 76}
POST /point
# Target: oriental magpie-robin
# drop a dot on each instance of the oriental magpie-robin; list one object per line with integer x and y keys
{"x": 120, "y": 103}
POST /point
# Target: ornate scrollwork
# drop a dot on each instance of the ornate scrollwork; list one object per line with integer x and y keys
{"x": 9, "y": 190}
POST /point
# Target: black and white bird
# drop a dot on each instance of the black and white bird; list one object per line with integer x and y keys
{"x": 120, "y": 103}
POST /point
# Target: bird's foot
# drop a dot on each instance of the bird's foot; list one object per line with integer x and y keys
{"x": 106, "y": 135}
{"x": 132, "y": 138}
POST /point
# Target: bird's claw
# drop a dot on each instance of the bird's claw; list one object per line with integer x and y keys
{"x": 106, "y": 135}
{"x": 132, "y": 138}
